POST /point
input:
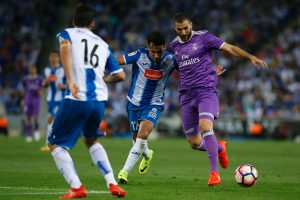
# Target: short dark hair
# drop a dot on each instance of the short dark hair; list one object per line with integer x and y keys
{"x": 156, "y": 38}
{"x": 83, "y": 16}
{"x": 180, "y": 17}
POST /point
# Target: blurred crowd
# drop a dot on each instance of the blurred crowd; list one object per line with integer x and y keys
{"x": 24, "y": 34}
{"x": 267, "y": 30}
{"x": 274, "y": 92}
{"x": 270, "y": 31}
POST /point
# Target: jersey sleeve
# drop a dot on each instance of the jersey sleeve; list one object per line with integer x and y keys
{"x": 63, "y": 35}
{"x": 212, "y": 41}
{"x": 170, "y": 46}
{"x": 112, "y": 66}
{"x": 176, "y": 67}
{"x": 132, "y": 57}
{"x": 60, "y": 76}
{"x": 46, "y": 73}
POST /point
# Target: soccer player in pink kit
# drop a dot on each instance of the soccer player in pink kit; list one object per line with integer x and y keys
{"x": 199, "y": 105}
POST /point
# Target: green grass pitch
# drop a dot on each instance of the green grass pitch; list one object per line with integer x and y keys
{"x": 177, "y": 172}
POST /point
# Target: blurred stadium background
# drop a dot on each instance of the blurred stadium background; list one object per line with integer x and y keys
{"x": 256, "y": 103}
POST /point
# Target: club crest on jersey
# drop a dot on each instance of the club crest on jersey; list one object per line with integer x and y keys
{"x": 132, "y": 53}
{"x": 153, "y": 74}
{"x": 153, "y": 113}
{"x": 168, "y": 61}
{"x": 163, "y": 64}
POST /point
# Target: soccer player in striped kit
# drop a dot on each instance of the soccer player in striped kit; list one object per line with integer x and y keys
{"x": 85, "y": 58}
{"x": 151, "y": 68}
{"x": 55, "y": 81}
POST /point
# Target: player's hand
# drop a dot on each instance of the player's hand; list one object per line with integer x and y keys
{"x": 258, "y": 62}
{"x": 74, "y": 89}
{"x": 52, "y": 78}
{"x": 220, "y": 70}
{"x": 105, "y": 79}
{"x": 61, "y": 86}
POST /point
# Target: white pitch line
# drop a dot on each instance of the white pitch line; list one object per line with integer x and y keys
{"x": 55, "y": 191}
{"x": 31, "y": 193}
{"x": 30, "y": 188}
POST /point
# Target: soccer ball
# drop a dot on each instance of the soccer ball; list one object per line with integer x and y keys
{"x": 246, "y": 175}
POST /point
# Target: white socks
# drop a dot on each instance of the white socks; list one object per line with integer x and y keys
{"x": 135, "y": 153}
{"x": 100, "y": 159}
{"x": 65, "y": 165}
{"x": 49, "y": 127}
{"x": 146, "y": 150}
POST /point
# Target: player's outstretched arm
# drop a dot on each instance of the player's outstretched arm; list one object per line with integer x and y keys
{"x": 46, "y": 82}
{"x": 66, "y": 59}
{"x": 116, "y": 72}
{"x": 120, "y": 76}
{"x": 120, "y": 60}
{"x": 236, "y": 51}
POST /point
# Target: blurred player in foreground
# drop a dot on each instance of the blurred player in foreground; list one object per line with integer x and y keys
{"x": 199, "y": 105}
{"x": 56, "y": 82}
{"x": 32, "y": 84}
{"x": 151, "y": 69}
{"x": 85, "y": 57}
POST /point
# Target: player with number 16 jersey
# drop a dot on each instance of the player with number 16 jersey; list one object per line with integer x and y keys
{"x": 85, "y": 58}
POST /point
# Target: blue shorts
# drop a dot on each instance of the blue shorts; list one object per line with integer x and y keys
{"x": 73, "y": 118}
{"x": 53, "y": 107}
{"x": 138, "y": 113}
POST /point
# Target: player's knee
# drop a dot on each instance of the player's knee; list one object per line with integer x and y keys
{"x": 90, "y": 141}
{"x": 50, "y": 119}
{"x": 205, "y": 124}
{"x": 145, "y": 129}
{"x": 134, "y": 136}
{"x": 51, "y": 146}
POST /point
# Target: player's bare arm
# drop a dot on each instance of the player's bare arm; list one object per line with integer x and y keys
{"x": 120, "y": 60}
{"x": 46, "y": 82}
{"x": 113, "y": 78}
{"x": 61, "y": 86}
{"x": 65, "y": 54}
{"x": 236, "y": 51}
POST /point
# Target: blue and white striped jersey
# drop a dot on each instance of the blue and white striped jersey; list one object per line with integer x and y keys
{"x": 90, "y": 58}
{"x": 57, "y": 73}
{"x": 149, "y": 79}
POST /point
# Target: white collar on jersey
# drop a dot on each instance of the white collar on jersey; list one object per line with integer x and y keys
{"x": 180, "y": 40}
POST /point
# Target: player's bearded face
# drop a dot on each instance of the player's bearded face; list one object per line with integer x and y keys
{"x": 184, "y": 29}
{"x": 156, "y": 51}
